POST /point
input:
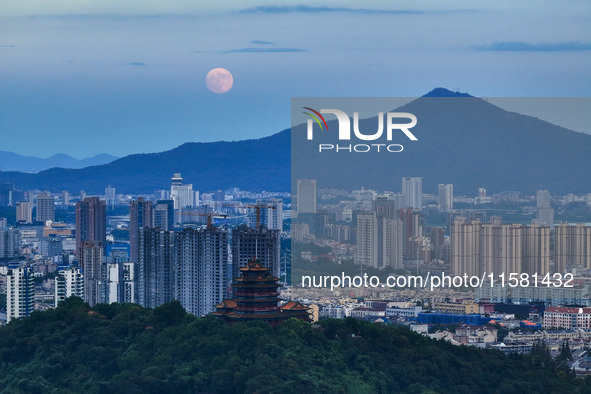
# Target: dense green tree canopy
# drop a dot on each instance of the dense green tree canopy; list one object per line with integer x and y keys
{"x": 126, "y": 348}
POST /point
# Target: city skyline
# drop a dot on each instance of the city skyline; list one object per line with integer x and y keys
{"x": 131, "y": 275}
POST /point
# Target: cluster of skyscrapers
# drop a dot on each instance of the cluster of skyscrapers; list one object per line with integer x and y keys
{"x": 392, "y": 233}
{"x": 479, "y": 248}
{"x": 496, "y": 248}
{"x": 386, "y": 236}
{"x": 192, "y": 263}
{"x": 410, "y": 197}
{"x": 572, "y": 246}
{"x": 174, "y": 251}
{"x": 379, "y": 236}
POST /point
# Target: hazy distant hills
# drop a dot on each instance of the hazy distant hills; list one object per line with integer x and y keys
{"x": 462, "y": 140}
{"x": 262, "y": 164}
{"x": 14, "y": 162}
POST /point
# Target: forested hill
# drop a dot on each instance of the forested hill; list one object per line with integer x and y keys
{"x": 123, "y": 348}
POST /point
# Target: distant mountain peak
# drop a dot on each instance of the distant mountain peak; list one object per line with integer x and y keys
{"x": 60, "y": 156}
{"x": 443, "y": 92}
{"x": 14, "y": 162}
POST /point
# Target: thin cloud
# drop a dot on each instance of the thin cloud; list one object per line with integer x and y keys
{"x": 136, "y": 64}
{"x": 10, "y": 46}
{"x": 257, "y": 50}
{"x": 520, "y": 46}
{"x": 265, "y": 50}
{"x": 310, "y": 9}
{"x": 260, "y": 42}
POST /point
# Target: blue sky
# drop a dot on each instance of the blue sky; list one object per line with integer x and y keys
{"x": 127, "y": 76}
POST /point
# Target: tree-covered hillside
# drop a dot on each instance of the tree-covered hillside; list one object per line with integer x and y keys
{"x": 124, "y": 348}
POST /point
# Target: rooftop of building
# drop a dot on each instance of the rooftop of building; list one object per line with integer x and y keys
{"x": 294, "y": 306}
{"x": 564, "y": 309}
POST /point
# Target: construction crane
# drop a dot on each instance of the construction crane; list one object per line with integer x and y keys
{"x": 210, "y": 216}
{"x": 257, "y": 208}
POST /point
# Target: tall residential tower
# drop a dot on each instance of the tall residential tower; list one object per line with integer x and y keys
{"x": 201, "y": 268}
{"x": 140, "y": 215}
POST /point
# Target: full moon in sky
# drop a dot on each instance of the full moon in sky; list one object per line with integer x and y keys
{"x": 219, "y": 80}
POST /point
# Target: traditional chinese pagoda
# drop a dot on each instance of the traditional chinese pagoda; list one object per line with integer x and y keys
{"x": 256, "y": 294}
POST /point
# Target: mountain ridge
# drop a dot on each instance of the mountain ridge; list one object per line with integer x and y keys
{"x": 463, "y": 140}
{"x": 147, "y": 172}
{"x": 10, "y": 161}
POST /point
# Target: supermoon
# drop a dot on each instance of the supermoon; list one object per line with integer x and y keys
{"x": 219, "y": 80}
